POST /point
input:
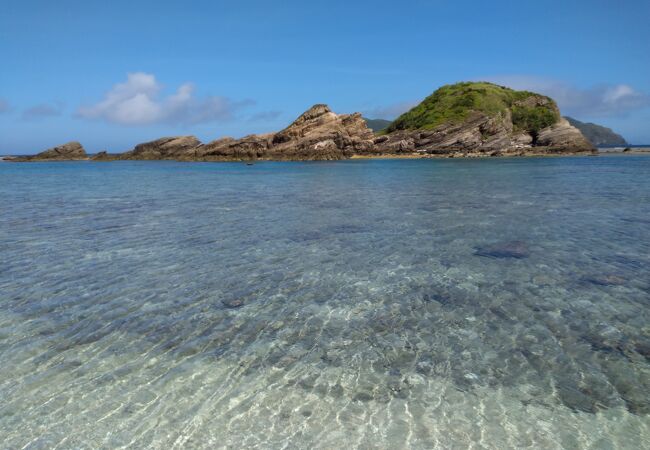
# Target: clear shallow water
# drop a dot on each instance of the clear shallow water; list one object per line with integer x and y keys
{"x": 362, "y": 304}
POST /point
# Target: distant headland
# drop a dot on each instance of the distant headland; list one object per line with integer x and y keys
{"x": 468, "y": 119}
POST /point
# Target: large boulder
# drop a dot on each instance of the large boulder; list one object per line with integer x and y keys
{"x": 177, "y": 147}
{"x": 72, "y": 151}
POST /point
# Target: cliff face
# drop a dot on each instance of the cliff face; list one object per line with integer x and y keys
{"x": 598, "y": 135}
{"x": 483, "y": 118}
{"x": 72, "y": 151}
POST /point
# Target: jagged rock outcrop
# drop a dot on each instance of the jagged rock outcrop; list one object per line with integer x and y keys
{"x": 103, "y": 156}
{"x": 477, "y": 119}
{"x": 318, "y": 134}
{"x": 229, "y": 149}
{"x": 562, "y": 136}
{"x": 177, "y": 147}
{"x": 72, "y": 151}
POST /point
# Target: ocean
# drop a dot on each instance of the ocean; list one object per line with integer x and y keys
{"x": 493, "y": 303}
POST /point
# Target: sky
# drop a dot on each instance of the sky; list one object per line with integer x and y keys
{"x": 115, "y": 74}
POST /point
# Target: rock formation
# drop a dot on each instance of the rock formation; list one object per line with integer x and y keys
{"x": 178, "y": 147}
{"x": 465, "y": 119}
{"x": 72, "y": 151}
{"x": 103, "y": 156}
{"x": 562, "y": 137}
{"x": 476, "y": 119}
{"x": 318, "y": 134}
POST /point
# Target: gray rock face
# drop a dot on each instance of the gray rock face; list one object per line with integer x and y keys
{"x": 72, "y": 151}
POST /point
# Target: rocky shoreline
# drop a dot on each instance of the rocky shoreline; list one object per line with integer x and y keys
{"x": 320, "y": 134}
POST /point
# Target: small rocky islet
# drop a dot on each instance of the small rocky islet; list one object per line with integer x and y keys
{"x": 470, "y": 119}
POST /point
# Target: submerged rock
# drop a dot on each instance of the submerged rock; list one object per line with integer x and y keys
{"x": 642, "y": 347}
{"x": 233, "y": 303}
{"x": 604, "y": 280}
{"x": 509, "y": 249}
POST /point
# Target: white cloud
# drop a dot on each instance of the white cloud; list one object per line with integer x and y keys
{"x": 138, "y": 101}
{"x": 597, "y": 101}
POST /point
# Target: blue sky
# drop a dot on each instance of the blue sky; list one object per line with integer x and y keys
{"x": 114, "y": 74}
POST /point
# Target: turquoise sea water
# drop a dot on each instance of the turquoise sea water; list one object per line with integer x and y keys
{"x": 500, "y": 303}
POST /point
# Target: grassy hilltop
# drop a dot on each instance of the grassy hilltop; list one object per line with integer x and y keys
{"x": 454, "y": 103}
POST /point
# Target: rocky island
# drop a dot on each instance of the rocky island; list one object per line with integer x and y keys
{"x": 72, "y": 151}
{"x": 467, "y": 119}
{"x": 478, "y": 119}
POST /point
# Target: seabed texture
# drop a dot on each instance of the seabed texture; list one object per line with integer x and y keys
{"x": 361, "y": 304}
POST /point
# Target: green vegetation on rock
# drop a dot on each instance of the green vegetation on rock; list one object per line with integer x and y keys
{"x": 533, "y": 118}
{"x": 456, "y": 102}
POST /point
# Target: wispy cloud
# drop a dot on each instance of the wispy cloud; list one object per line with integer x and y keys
{"x": 605, "y": 100}
{"x": 43, "y": 111}
{"x": 5, "y": 107}
{"x": 138, "y": 101}
{"x": 391, "y": 111}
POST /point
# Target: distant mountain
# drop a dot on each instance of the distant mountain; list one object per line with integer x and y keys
{"x": 377, "y": 124}
{"x": 597, "y": 134}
